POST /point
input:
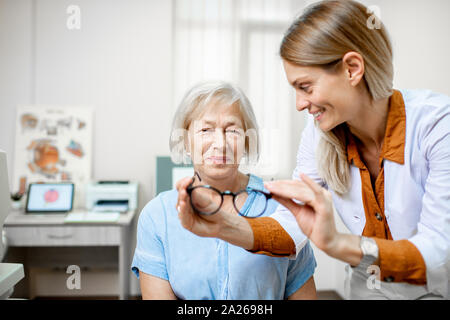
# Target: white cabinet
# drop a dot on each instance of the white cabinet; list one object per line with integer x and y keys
{"x": 51, "y": 236}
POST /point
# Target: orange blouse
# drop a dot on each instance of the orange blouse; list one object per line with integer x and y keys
{"x": 400, "y": 260}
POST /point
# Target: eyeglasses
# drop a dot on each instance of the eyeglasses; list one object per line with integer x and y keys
{"x": 207, "y": 200}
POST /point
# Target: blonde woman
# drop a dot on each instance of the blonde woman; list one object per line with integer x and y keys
{"x": 378, "y": 157}
{"x": 210, "y": 129}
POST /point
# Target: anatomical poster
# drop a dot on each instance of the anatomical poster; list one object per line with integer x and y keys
{"x": 53, "y": 144}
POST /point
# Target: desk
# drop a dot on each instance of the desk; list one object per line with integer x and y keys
{"x": 50, "y": 230}
{"x": 10, "y": 274}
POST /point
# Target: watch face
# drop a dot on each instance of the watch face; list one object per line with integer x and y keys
{"x": 369, "y": 247}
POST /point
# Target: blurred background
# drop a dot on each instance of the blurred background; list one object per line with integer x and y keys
{"x": 131, "y": 61}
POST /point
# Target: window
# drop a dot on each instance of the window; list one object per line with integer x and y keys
{"x": 238, "y": 41}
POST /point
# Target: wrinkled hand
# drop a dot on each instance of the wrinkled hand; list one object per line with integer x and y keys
{"x": 315, "y": 216}
{"x": 201, "y": 225}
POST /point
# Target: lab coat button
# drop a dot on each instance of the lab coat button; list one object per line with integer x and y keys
{"x": 378, "y": 216}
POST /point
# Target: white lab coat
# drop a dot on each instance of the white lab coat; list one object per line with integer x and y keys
{"x": 417, "y": 193}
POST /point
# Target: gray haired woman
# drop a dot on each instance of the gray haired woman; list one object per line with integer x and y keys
{"x": 211, "y": 129}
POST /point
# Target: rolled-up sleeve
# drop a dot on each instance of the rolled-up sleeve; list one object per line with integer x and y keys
{"x": 300, "y": 270}
{"x": 149, "y": 253}
{"x": 290, "y": 235}
{"x": 401, "y": 261}
{"x": 271, "y": 239}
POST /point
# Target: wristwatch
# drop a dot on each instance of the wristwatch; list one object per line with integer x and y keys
{"x": 369, "y": 249}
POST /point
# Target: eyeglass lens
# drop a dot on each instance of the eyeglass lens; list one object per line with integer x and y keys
{"x": 208, "y": 201}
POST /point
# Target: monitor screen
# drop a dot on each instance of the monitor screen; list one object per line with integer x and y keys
{"x": 50, "y": 197}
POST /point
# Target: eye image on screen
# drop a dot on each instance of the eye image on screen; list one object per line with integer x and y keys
{"x": 50, "y": 197}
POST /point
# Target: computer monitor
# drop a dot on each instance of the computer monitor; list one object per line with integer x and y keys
{"x": 50, "y": 197}
{"x": 5, "y": 198}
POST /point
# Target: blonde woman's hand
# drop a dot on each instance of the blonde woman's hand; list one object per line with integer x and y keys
{"x": 315, "y": 216}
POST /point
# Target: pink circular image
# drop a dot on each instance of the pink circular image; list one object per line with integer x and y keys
{"x": 51, "y": 195}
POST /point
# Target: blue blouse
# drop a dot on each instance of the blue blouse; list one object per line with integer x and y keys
{"x": 208, "y": 268}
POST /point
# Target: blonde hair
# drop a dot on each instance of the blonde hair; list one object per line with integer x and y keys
{"x": 196, "y": 100}
{"x": 322, "y": 35}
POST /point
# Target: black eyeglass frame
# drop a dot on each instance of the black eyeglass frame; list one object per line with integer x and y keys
{"x": 191, "y": 188}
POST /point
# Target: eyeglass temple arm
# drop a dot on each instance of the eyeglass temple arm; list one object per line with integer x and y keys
{"x": 193, "y": 179}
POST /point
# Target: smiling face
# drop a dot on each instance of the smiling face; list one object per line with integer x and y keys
{"x": 217, "y": 140}
{"x": 332, "y": 97}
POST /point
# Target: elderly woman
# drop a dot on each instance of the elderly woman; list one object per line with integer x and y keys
{"x": 211, "y": 127}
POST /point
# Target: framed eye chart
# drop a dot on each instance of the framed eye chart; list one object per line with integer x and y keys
{"x": 53, "y": 144}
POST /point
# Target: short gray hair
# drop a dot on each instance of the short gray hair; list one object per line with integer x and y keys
{"x": 197, "y": 99}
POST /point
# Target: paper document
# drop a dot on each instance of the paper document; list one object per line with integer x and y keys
{"x": 110, "y": 207}
{"x": 91, "y": 216}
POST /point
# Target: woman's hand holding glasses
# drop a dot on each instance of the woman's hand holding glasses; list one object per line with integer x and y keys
{"x": 223, "y": 224}
{"x": 201, "y": 225}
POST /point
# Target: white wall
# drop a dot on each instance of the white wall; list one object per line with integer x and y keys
{"x": 15, "y": 65}
{"x": 120, "y": 63}
{"x": 419, "y": 32}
